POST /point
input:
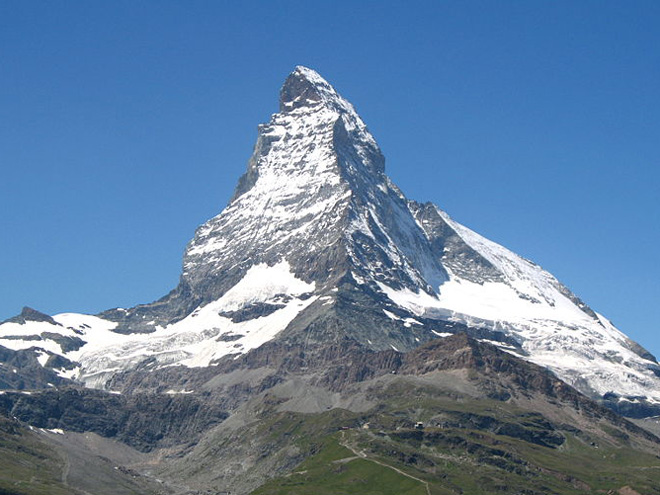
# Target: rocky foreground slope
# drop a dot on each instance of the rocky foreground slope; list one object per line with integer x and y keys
{"x": 452, "y": 416}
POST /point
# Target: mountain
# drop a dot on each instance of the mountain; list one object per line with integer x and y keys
{"x": 329, "y": 334}
{"x": 317, "y": 245}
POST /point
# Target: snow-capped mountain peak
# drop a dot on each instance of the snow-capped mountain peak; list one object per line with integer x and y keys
{"x": 316, "y": 245}
{"x": 315, "y": 194}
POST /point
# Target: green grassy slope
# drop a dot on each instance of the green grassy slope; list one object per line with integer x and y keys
{"x": 27, "y": 465}
{"x": 464, "y": 461}
{"x": 466, "y": 447}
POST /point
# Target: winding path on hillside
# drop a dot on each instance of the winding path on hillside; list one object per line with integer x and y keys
{"x": 361, "y": 454}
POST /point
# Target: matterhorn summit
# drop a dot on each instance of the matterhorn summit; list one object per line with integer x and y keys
{"x": 318, "y": 246}
{"x": 316, "y": 197}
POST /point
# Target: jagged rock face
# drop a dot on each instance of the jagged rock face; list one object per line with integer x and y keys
{"x": 315, "y": 194}
{"x": 29, "y": 314}
{"x": 316, "y": 246}
{"x": 142, "y": 421}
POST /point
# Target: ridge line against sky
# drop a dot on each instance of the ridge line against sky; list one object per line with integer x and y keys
{"x": 124, "y": 126}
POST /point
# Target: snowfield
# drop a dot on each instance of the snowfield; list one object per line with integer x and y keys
{"x": 198, "y": 340}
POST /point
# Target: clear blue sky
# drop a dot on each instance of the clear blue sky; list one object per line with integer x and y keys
{"x": 124, "y": 125}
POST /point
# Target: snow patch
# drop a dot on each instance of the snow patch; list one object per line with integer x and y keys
{"x": 442, "y": 334}
{"x": 200, "y": 339}
{"x": 42, "y": 357}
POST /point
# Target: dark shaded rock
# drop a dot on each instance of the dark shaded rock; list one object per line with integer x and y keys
{"x": 57, "y": 362}
{"x": 631, "y": 407}
{"x": 143, "y": 421}
{"x": 67, "y": 344}
{"x": 643, "y": 353}
{"x": 229, "y": 337}
{"x": 451, "y": 248}
{"x": 21, "y": 370}
{"x": 298, "y": 91}
{"x": 26, "y": 338}
{"x": 251, "y": 312}
{"x": 30, "y": 314}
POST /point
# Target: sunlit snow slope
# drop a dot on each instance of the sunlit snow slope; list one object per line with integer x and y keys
{"x": 492, "y": 287}
{"x": 209, "y": 333}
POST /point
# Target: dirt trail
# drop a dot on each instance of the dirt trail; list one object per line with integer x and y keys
{"x": 66, "y": 469}
{"x": 363, "y": 455}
